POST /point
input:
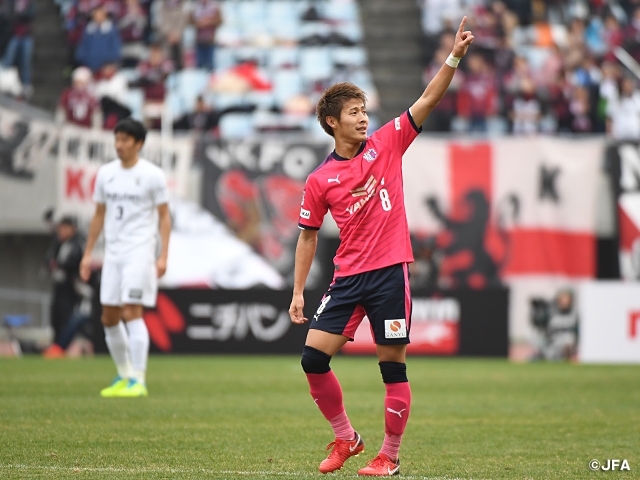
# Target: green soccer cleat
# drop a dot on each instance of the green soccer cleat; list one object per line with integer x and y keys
{"x": 117, "y": 384}
{"x": 132, "y": 389}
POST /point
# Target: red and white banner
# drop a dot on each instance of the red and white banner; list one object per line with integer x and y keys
{"x": 624, "y": 161}
{"x": 515, "y": 211}
{"x": 520, "y": 211}
{"x": 609, "y": 322}
{"x": 82, "y": 152}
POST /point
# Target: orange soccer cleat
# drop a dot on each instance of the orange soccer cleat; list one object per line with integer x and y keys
{"x": 54, "y": 351}
{"x": 381, "y": 466}
{"x": 342, "y": 450}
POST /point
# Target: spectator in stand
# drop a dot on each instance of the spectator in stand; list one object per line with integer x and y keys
{"x": 77, "y": 19}
{"x": 111, "y": 89}
{"x": 132, "y": 23}
{"x": 77, "y": 104}
{"x": 551, "y": 67}
{"x": 526, "y": 110}
{"x": 173, "y": 17}
{"x": 203, "y": 119}
{"x": 632, "y": 35}
{"x": 576, "y": 48}
{"x": 580, "y": 108}
{"x": 100, "y": 43}
{"x": 20, "y": 48}
{"x": 153, "y": 73}
{"x": 623, "y": 112}
{"x": 558, "y": 95}
{"x": 477, "y": 97}
{"x": 206, "y": 17}
{"x": 612, "y": 33}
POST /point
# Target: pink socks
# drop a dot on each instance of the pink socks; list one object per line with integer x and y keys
{"x": 327, "y": 395}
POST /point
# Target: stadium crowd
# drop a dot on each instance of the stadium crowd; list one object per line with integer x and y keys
{"x": 210, "y": 62}
{"x": 538, "y": 66}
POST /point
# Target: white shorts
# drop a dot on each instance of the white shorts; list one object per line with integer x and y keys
{"x": 129, "y": 282}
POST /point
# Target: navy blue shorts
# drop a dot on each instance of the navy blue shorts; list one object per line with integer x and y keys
{"x": 382, "y": 295}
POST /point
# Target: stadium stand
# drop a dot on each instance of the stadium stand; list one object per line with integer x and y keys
{"x": 539, "y": 66}
{"x": 275, "y": 56}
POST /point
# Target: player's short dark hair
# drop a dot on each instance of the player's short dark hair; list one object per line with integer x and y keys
{"x": 132, "y": 128}
{"x": 332, "y": 101}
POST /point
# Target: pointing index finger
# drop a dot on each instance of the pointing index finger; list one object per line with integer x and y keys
{"x": 461, "y": 28}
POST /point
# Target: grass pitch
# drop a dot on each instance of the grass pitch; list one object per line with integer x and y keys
{"x": 252, "y": 417}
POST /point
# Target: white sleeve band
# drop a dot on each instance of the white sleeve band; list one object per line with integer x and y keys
{"x": 452, "y": 61}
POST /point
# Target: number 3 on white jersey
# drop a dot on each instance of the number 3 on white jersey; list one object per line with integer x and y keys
{"x": 384, "y": 197}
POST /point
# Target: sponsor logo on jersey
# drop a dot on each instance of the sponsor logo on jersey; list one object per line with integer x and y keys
{"x": 398, "y": 127}
{"x": 396, "y": 328}
{"x": 369, "y": 188}
{"x": 370, "y": 155}
{"x": 335, "y": 180}
{"x": 122, "y": 197}
{"x": 368, "y": 191}
{"x": 303, "y": 192}
{"x": 135, "y": 293}
{"x": 305, "y": 213}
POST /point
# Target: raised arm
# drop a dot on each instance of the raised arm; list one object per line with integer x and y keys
{"x": 438, "y": 86}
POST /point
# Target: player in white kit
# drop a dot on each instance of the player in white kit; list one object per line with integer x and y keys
{"x": 131, "y": 202}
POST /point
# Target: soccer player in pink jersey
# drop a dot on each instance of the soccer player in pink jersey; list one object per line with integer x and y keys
{"x": 361, "y": 184}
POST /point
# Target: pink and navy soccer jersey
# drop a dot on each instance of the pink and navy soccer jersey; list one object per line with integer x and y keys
{"x": 366, "y": 199}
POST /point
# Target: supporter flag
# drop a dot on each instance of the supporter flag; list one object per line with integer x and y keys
{"x": 516, "y": 211}
{"x": 624, "y": 162}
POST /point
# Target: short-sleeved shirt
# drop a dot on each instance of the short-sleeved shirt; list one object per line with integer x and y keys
{"x": 131, "y": 196}
{"x": 365, "y": 196}
{"x": 79, "y": 106}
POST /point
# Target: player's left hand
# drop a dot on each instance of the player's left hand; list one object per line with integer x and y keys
{"x": 463, "y": 40}
{"x": 161, "y": 266}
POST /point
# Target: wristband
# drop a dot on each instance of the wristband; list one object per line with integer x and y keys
{"x": 452, "y": 61}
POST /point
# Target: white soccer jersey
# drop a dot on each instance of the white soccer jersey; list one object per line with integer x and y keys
{"x": 131, "y": 196}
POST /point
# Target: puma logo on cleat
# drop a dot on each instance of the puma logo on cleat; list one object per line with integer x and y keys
{"x": 329, "y": 180}
{"x": 391, "y": 410}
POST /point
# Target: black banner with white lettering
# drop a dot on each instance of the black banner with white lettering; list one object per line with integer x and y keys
{"x": 255, "y": 188}
{"x": 226, "y": 321}
{"x": 461, "y": 322}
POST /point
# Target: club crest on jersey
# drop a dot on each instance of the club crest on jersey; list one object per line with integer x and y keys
{"x": 370, "y": 155}
{"x": 368, "y": 191}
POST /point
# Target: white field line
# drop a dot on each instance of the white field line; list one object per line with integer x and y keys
{"x": 252, "y": 473}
